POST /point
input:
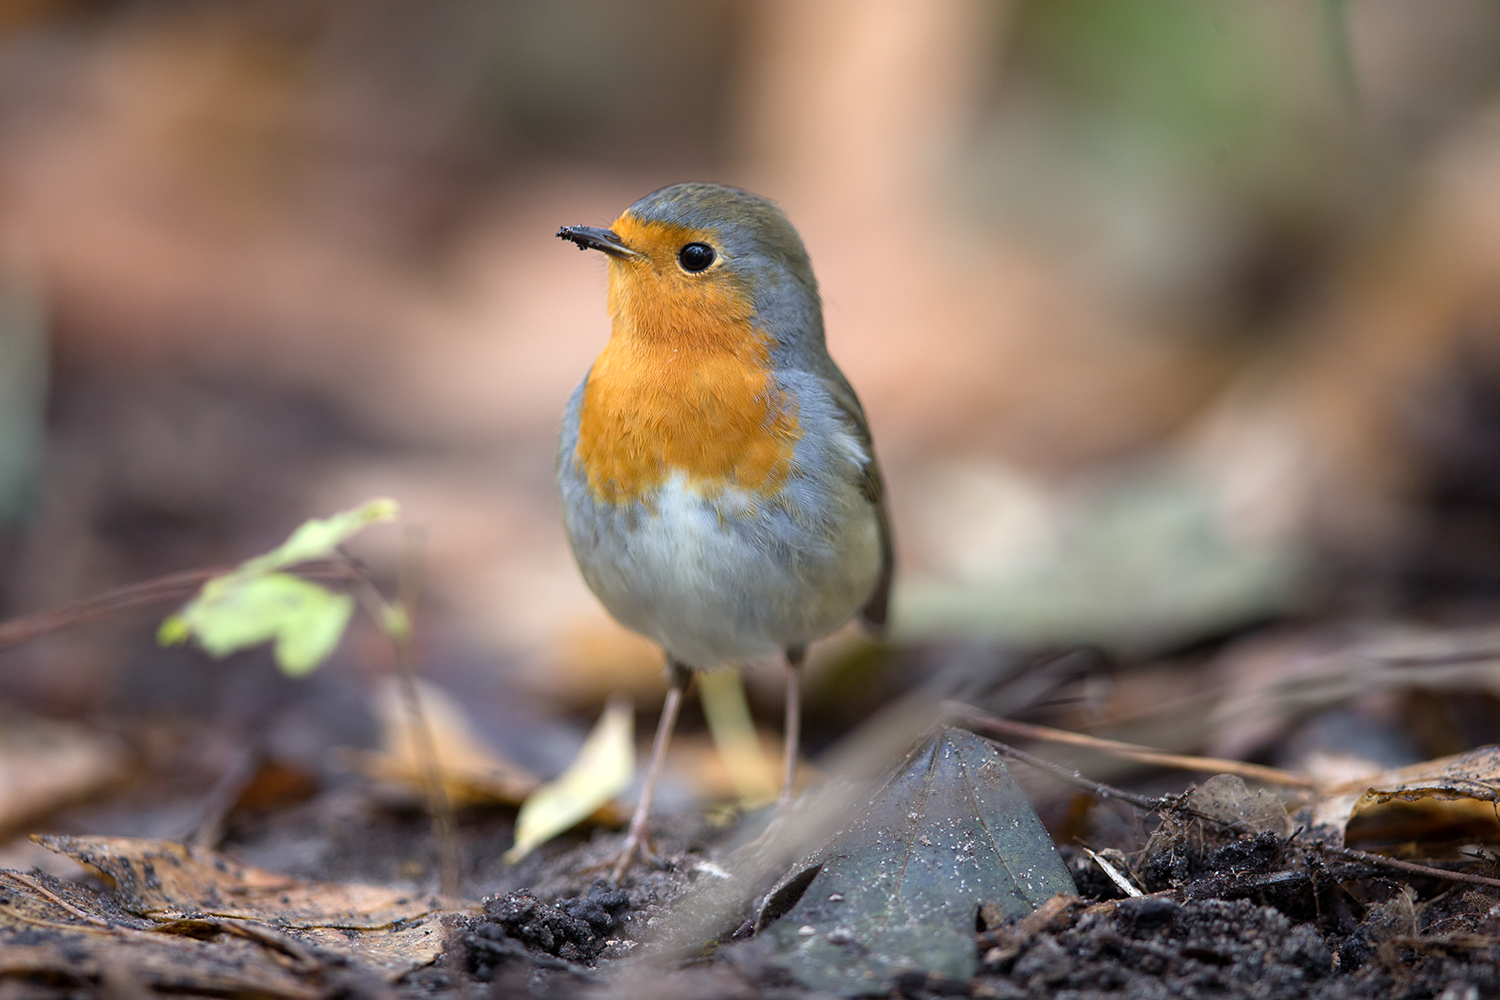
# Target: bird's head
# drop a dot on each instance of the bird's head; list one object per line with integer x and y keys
{"x": 694, "y": 261}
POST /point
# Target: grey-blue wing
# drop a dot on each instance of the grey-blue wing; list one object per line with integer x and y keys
{"x": 872, "y": 484}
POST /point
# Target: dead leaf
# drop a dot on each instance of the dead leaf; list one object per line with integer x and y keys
{"x": 901, "y": 887}
{"x": 1226, "y": 798}
{"x": 45, "y": 765}
{"x": 65, "y": 933}
{"x": 393, "y": 929}
{"x": 697, "y": 764}
{"x": 276, "y": 784}
{"x": 1441, "y": 800}
{"x": 603, "y": 769}
{"x": 473, "y": 773}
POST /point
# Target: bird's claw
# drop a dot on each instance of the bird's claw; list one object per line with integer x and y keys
{"x": 620, "y": 863}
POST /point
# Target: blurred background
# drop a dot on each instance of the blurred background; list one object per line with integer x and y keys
{"x": 1177, "y": 323}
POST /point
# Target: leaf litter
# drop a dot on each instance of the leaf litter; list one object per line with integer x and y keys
{"x": 1237, "y": 906}
{"x": 392, "y": 929}
{"x": 1448, "y": 799}
{"x": 178, "y": 920}
{"x": 45, "y": 764}
{"x": 1240, "y": 898}
{"x": 473, "y": 773}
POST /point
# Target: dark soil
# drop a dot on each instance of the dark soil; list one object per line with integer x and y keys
{"x": 1246, "y": 919}
{"x": 1228, "y": 912}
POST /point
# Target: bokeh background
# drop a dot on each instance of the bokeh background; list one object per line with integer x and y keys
{"x": 1173, "y": 318}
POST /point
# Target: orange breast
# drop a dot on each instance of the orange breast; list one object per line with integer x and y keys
{"x": 683, "y": 386}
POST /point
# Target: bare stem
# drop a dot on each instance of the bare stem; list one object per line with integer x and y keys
{"x": 160, "y": 590}
{"x": 1179, "y": 804}
{"x": 1131, "y": 751}
{"x": 409, "y": 586}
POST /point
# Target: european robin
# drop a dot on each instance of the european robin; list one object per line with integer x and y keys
{"x": 718, "y": 482}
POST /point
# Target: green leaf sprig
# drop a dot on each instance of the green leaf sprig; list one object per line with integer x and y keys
{"x": 260, "y": 602}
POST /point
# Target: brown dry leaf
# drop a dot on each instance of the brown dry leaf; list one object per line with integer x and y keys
{"x": 473, "y": 773}
{"x": 45, "y": 765}
{"x": 61, "y": 931}
{"x": 394, "y": 929}
{"x": 1446, "y": 799}
{"x": 1227, "y": 799}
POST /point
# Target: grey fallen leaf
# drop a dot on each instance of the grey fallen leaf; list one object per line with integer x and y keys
{"x": 899, "y": 888}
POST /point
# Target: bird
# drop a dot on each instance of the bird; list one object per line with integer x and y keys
{"x": 718, "y": 481}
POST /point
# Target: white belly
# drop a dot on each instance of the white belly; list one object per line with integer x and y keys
{"x": 718, "y": 584}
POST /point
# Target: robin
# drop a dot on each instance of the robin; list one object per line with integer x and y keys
{"x": 718, "y": 482}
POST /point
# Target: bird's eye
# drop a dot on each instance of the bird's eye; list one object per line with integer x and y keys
{"x": 695, "y": 256}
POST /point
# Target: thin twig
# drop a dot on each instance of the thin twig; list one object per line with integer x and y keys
{"x": 160, "y": 590}
{"x": 1095, "y": 788}
{"x": 1115, "y": 876}
{"x": 37, "y": 887}
{"x": 1146, "y": 755}
{"x": 1350, "y": 854}
{"x": 445, "y": 822}
{"x": 409, "y": 587}
{"x": 221, "y": 799}
{"x": 1179, "y": 804}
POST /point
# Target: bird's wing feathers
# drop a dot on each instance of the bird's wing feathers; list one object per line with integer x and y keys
{"x": 872, "y": 484}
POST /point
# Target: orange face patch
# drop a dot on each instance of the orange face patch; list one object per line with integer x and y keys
{"x": 684, "y": 384}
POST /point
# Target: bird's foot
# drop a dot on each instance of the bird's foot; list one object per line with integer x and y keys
{"x": 635, "y": 845}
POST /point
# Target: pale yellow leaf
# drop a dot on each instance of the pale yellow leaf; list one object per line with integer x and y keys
{"x": 728, "y": 714}
{"x": 603, "y": 769}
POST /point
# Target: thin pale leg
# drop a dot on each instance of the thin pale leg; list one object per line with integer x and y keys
{"x": 793, "y": 731}
{"x": 677, "y": 680}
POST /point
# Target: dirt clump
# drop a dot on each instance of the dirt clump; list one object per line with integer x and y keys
{"x": 575, "y": 930}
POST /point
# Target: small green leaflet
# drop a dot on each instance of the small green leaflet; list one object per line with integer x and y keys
{"x": 318, "y": 539}
{"x": 258, "y": 603}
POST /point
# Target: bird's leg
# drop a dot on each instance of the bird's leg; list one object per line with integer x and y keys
{"x": 678, "y": 675}
{"x": 793, "y": 730}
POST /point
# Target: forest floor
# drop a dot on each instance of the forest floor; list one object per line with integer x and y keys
{"x": 307, "y": 892}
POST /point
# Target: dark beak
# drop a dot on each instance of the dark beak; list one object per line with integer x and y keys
{"x": 592, "y": 238}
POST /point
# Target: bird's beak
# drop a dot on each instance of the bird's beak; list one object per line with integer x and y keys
{"x": 592, "y": 238}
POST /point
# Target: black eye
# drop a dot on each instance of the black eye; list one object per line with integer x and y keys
{"x": 695, "y": 256}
